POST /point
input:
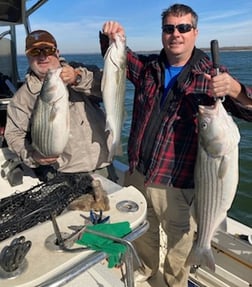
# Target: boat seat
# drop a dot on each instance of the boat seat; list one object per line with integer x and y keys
{"x": 5, "y": 57}
{"x": 7, "y": 88}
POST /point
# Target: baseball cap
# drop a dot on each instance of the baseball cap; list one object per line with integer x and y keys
{"x": 39, "y": 38}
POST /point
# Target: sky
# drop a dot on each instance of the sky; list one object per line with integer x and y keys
{"x": 76, "y": 24}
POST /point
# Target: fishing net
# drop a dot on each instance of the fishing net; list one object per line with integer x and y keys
{"x": 23, "y": 210}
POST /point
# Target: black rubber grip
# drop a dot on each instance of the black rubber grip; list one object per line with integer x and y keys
{"x": 215, "y": 53}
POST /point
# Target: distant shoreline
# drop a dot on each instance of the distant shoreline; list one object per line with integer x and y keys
{"x": 222, "y": 49}
{"x": 231, "y": 49}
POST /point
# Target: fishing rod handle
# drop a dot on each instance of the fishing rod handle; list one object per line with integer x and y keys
{"x": 215, "y": 54}
{"x": 216, "y": 59}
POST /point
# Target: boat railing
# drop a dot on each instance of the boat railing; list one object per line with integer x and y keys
{"x": 90, "y": 261}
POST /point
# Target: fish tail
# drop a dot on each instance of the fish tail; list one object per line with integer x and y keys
{"x": 201, "y": 257}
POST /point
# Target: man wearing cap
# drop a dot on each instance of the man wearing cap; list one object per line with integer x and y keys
{"x": 40, "y": 45}
{"x": 87, "y": 147}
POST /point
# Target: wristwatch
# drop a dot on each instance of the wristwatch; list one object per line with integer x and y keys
{"x": 78, "y": 78}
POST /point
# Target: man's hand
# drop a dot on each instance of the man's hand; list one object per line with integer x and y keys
{"x": 68, "y": 74}
{"x": 110, "y": 28}
{"x": 224, "y": 85}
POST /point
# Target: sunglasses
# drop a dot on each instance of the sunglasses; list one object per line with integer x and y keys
{"x": 182, "y": 28}
{"x": 47, "y": 51}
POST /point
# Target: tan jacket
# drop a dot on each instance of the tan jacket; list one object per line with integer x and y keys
{"x": 87, "y": 147}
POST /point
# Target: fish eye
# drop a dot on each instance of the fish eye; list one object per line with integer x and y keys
{"x": 203, "y": 125}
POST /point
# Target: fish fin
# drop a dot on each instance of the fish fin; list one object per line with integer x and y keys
{"x": 115, "y": 150}
{"x": 108, "y": 127}
{"x": 201, "y": 257}
{"x": 223, "y": 166}
{"x": 223, "y": 225}
{"x": 53, "y": 114}
{"x": 193, "y": 211}
{"x": 112, "y": 150}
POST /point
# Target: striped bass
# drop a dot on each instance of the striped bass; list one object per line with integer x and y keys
{"x": 216, "y": 178}
{"x": 50, "y": 124}
{"x": 113, "y": 91}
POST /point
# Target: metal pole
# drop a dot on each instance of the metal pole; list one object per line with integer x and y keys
{"x": 82, "y": 266}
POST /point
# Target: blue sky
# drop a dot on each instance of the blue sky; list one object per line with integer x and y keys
{"x": 75, "y": 24}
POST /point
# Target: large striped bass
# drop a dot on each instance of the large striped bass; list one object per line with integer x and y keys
{"x": 216, "y": 178}
{"x": 50, "y": 123}
{"x": 113, "y": 91}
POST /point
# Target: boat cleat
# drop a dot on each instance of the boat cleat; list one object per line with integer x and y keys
{"x": 12, "y": 257}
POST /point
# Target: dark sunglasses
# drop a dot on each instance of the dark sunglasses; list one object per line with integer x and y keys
{"x": 47, "y": 51}
{"x": 182, "y": 28}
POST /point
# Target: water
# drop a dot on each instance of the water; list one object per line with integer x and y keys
{"x": 240, "y": 66}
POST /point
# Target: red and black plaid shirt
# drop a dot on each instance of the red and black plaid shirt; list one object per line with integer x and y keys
{"x": 172, "y": 146}
{"x": 174, "y": 150}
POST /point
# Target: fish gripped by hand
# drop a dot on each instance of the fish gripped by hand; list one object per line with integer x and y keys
{"x": 50, "y": 122}
{"x": 216, "y": 178}
{"x": 113, "y": 91}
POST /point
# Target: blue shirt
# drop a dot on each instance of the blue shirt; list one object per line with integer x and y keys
{"x": 171, "y": 74}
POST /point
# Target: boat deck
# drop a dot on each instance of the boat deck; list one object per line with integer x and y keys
{"x": 45, "y": 268}
{"x": 46, "y": 264}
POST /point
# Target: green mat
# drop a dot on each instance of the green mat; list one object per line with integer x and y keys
{"x": 113, "y": 249}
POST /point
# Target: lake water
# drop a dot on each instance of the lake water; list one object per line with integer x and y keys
{"x": 240, "y": 66}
